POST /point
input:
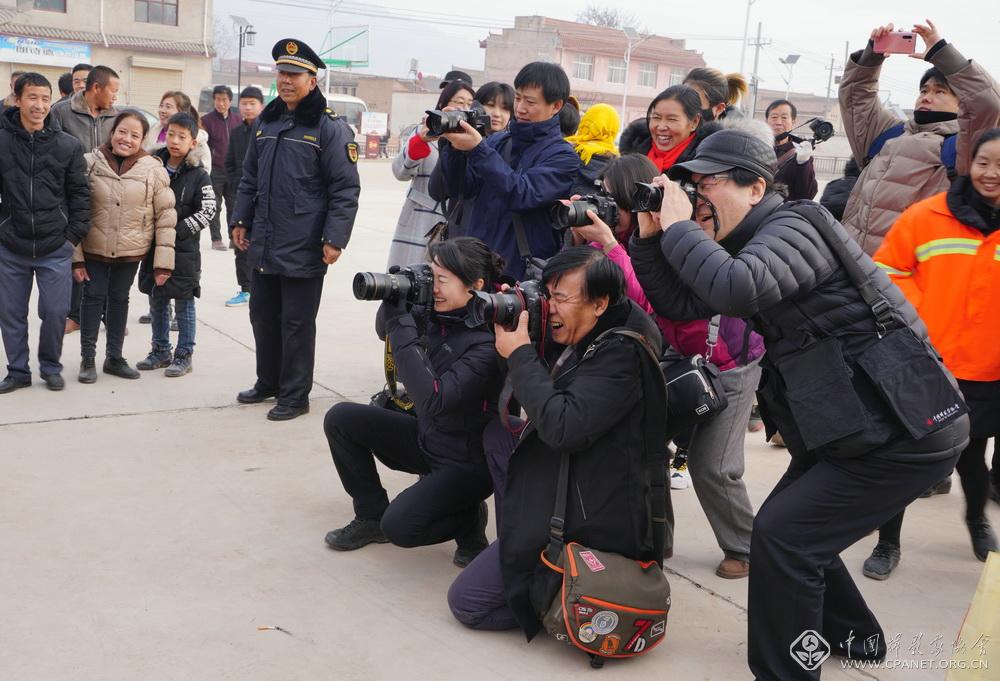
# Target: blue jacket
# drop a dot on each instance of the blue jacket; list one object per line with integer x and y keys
{"x": 299, "y": 188}
{"x": 543, "y": 167}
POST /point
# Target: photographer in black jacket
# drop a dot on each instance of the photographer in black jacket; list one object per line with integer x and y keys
{"x": 591, "y": 402}
{"x": 452, "y": 374}
{"x": 742, "y": 251}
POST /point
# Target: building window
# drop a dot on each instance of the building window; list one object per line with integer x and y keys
{"x": 616, "y": 70}
{"x": 583, "y": 67}
{"x": 677, "y": 76}
{"x": 156, "y": 12}
{"x": 647, "y": 75}
{"x": 51, "y": 5}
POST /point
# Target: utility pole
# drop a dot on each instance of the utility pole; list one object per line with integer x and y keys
{"x": 754, "y": 79}
{"x": 829, "y": 89}
{"x": 746, "y": 29}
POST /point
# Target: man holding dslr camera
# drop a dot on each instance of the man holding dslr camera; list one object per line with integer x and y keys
{"x": 593, "y": 403}
{"x": 516, "y": 176}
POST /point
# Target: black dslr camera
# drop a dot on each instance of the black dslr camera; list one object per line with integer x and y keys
{"x": 414, "y": 284}
{"x": 821, "y": 128}
{"x": 574, "y": 213}
{"x": 440, "y": 122}
{"x": 504, "y": 309}
{"x": 648, "y": 198}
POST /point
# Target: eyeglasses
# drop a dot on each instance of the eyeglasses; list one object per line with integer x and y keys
{"x": 710, "y": 180}
{"x": 460, "y": 102}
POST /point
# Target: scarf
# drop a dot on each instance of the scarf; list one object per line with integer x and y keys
{"x": 664, "y": 159}
{"x": 597, "y": 132}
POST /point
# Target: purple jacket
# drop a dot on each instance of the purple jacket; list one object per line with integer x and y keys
{"x": 218, "y": 129}
{"x": 691, "y": 338}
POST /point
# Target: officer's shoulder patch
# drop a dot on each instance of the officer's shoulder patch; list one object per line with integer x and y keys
{"x": 259, "y": 133}
{"x": 352, "y": 152}
{"x": 332, "y": 114}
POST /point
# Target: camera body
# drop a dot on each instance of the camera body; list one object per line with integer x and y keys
{"x": 822, "y": 130}
{"x": 440, "y": 122}
{"x": 505, "y": 308}
{"x": 574, "y": 213}
{"x": 648, "y": 198}
{"x": 414, "y": 284}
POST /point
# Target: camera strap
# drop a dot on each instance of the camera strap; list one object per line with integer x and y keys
{"x": 522, "y": 239}
{"x": 400, "y": 401}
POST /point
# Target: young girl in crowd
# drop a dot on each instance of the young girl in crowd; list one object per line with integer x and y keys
{"x": 174, "y": 102}
{"x": 719, "y": 92}
{"x": 131, "y": 210}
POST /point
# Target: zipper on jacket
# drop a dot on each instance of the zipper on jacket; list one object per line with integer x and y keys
{"x": 31, "y": 196}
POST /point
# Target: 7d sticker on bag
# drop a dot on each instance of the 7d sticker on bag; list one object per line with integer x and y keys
{"x": 591, "y": 560}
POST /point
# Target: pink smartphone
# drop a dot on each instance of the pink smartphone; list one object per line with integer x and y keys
{"x": 897, "y": 42}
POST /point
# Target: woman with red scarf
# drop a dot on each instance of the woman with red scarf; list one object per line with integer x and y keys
{"x": 672, "y": 129}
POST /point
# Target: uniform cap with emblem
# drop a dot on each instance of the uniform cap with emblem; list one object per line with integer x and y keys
{"x": 294, "y": 56}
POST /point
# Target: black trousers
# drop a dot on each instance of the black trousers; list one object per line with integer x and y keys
{"x": 105, "y": 294}
{"x": 244, "y": 273}
{"x": 442, "y": 505}
{"x": 76, "y": 300}
{"x": 797, "y": 579}
{"x": 222, "y": 195}
{"x": 283, "y": 316}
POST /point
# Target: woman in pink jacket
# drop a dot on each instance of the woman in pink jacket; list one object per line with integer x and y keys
{"x": 715, "y": 450}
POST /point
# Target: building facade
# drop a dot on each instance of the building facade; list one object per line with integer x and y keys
{"x": 594, "y": 59}
{"x": 154, "y": 45}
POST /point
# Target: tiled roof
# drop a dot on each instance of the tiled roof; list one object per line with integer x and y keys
{"x": 125, "y": 41}
{"x": 578, "y": 37}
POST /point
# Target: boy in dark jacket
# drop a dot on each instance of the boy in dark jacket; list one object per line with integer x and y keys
{"x": 251, "y": 104}
{"x": 196, "y": 207}
{"x": 44, "y": 213}
{"x": 541, "y": 169}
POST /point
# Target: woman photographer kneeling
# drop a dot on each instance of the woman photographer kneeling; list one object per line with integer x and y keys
{"x": 452, "y": 374}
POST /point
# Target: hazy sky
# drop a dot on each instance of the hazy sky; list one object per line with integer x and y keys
{"x": 815, "y": 30}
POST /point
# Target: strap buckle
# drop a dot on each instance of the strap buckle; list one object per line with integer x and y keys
{"x": 882, "y": 309}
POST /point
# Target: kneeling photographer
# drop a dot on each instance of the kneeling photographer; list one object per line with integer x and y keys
{"x": 452, "y": 374}
{"x": 870, "y": 415}
{"x": 714, "y": 449}
{"x": 601, "y": 406}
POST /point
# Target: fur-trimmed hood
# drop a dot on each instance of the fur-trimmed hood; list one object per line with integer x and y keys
{"x": 307, "y": 113}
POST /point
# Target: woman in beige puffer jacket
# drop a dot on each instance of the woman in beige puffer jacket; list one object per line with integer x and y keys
{"x": 131, "y": 211}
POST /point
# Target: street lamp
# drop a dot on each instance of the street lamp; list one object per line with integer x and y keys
{"x": 790, "y": 62}
{"x": 247, "y": 39}
{"x": 634, "y": 39}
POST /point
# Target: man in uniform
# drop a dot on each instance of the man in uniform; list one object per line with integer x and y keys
{"x": 295, "y": 210}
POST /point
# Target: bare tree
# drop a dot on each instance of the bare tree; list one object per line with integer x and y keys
{"x": 224, "y": 40}
{"x": 608, "y": 17}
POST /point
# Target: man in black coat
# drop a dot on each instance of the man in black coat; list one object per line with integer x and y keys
{"x": 294, "y": 214}
{"x": 44, "y": 213}
{"x": 591, "y": 403}
{"x": 743, "y": 252}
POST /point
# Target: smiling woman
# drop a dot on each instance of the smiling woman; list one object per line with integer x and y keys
{"x": 672, "y": 129}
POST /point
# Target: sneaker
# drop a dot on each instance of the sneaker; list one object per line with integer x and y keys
{"x": 71, "y": 327}
{"x": 146, "y": 319}
{"x": 118, "y": 366}
{"x": 181, "y": 365}
{"x": 476, "y": 542}
{"x": 156, "y": 359}
{"x": 756, "y": 424}
{"x": 356, "y": 534}
{"x": 679, "y": 476}
{"x": 240, "y": 299}
{"x": 777, "y": 440}
{"x": 983, "y": 538}
{"x": 942, "y": 487}
{"x": 884, "y": 559}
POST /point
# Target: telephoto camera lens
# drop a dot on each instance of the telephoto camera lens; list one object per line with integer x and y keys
{"x": 495, "y": 308}
{"x": 380, "y": 286}
{"x": 440, "y": 122}
{"x": 572, "y": 215}
{"x": 646, "y": 198}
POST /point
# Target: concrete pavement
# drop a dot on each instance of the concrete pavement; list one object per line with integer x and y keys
{"x": 150, "y": 527}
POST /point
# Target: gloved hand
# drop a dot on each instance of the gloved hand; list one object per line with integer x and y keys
{"x": 803, "y": 152}
{"x": 394, "y": 309}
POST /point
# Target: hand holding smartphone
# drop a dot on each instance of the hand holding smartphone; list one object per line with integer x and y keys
{"x": 896, "y": 42}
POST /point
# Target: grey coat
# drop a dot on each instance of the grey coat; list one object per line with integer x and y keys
{"x": 420, "y": 212}
{"x": 73, "y": 116}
